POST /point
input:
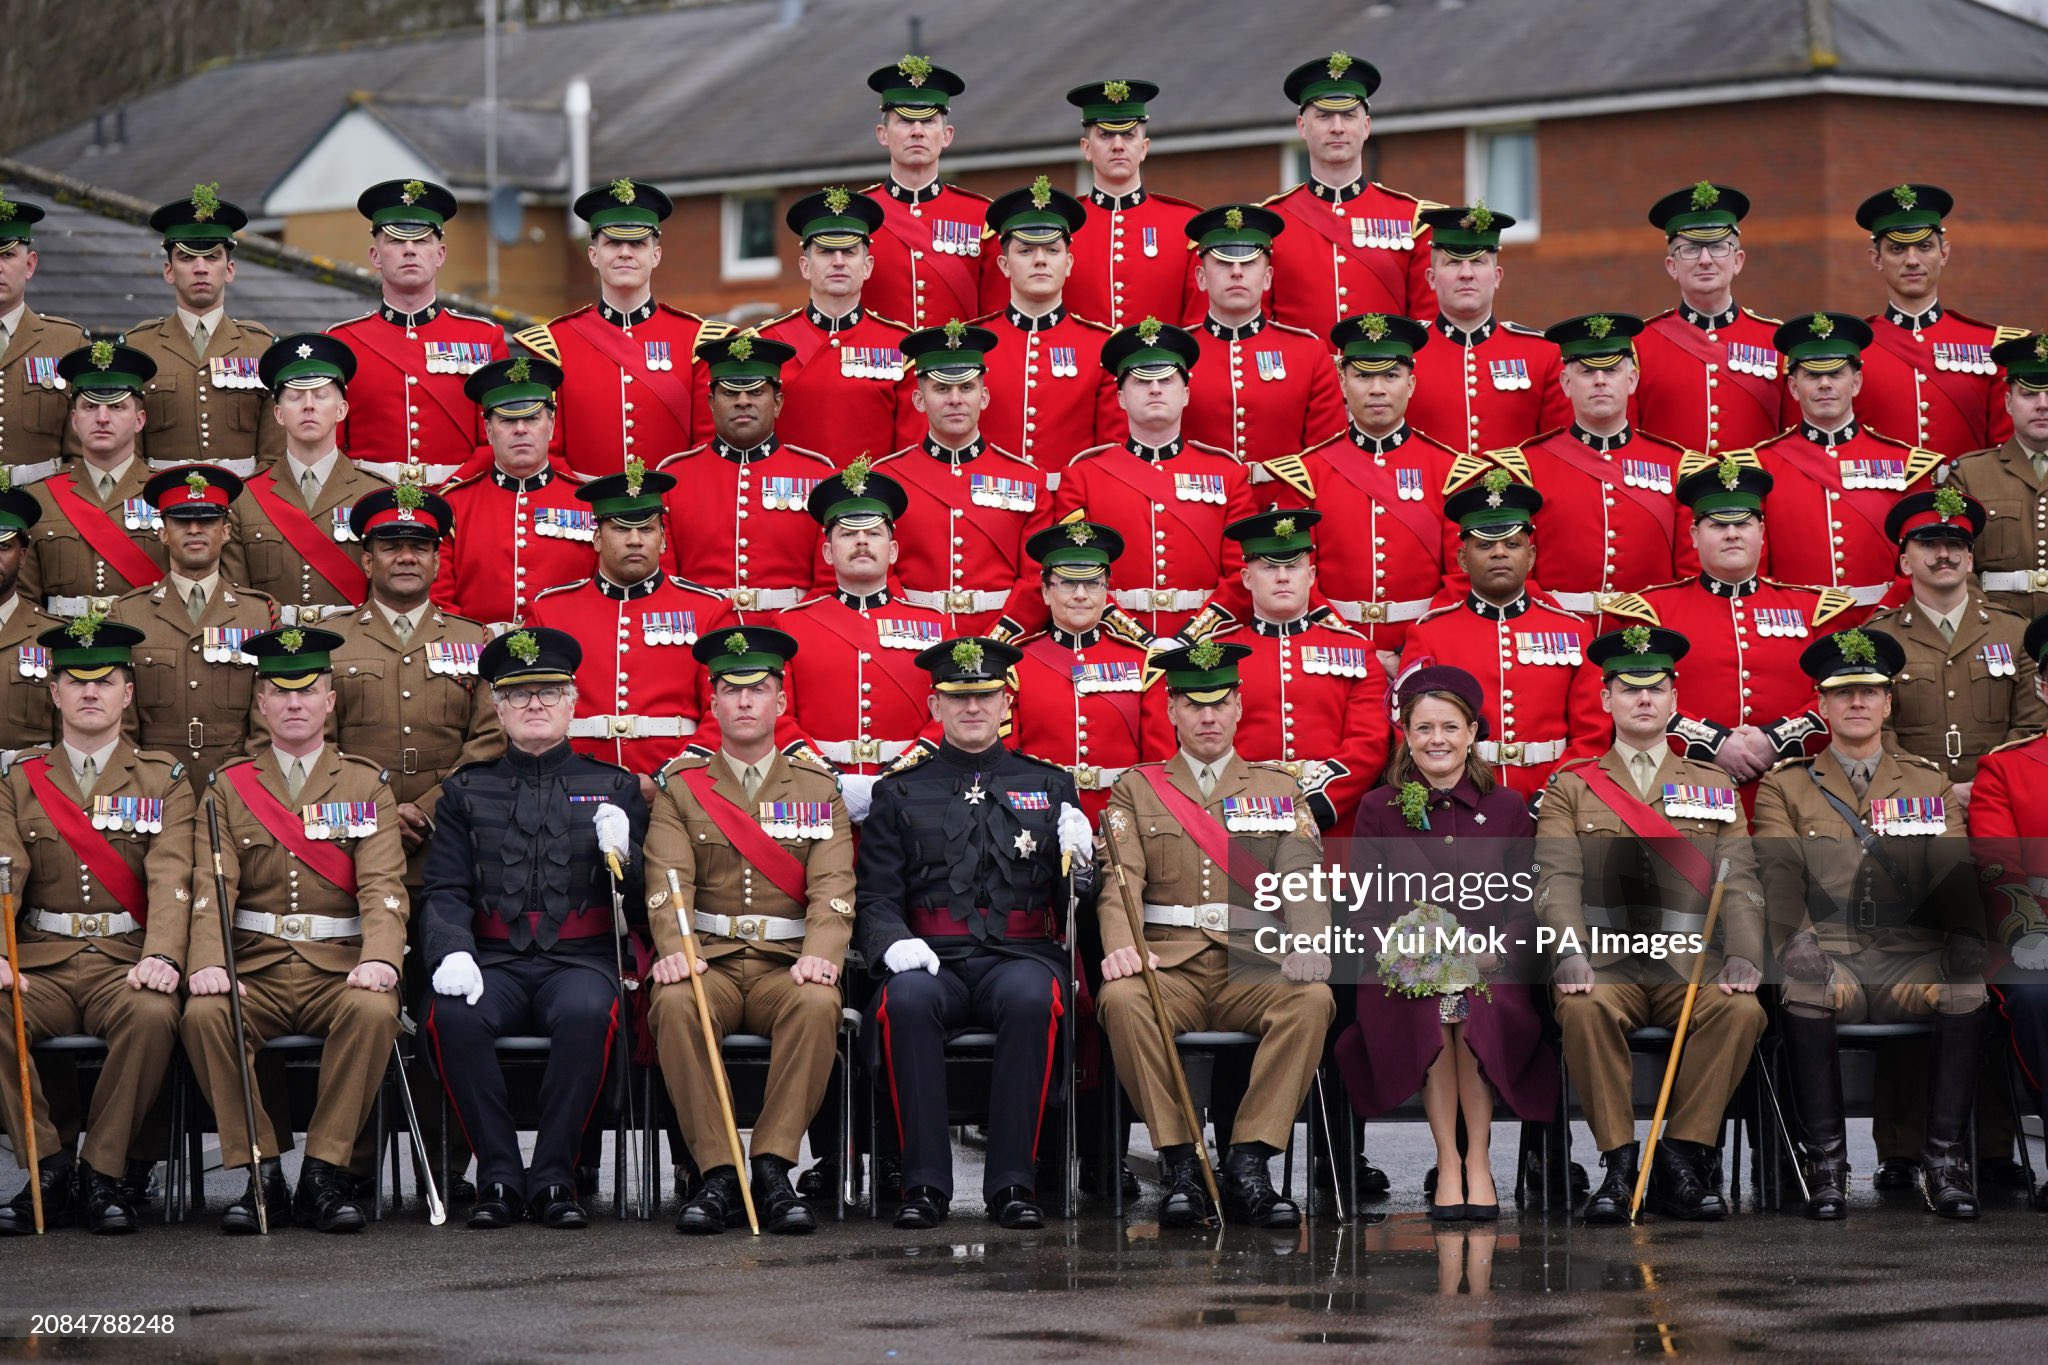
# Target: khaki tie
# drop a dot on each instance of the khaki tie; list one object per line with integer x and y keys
{"x": 751, "y": 778}
{"x": 87, "y": 775}
{"x": 401, "y": 625}
{"x": 309, "y": 486}
{"x": 1205, "y": 778}
{"x": 1644, "y": 768}
{"x": 1946, "y": 626}
{"x": 1859, "y": 779}
{"x": 104, "y": 482}
{"x": 6, "y": 338}
{"x": 195, "y": 603}
{"x": 295, "y": 778}
{"x": 199, "y": 340}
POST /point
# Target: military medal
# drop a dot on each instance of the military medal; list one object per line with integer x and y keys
{"x": 668, "y": 627}
{"x": 33, "y": 661}
{"x": 1887, "y": 474}
{"x": 1198, "y": 487}
{"x": 1109, "y": 676}
{"x": 1780, "y": 623}
{"x": 1960, "y": 357}
{"x": 1030, "y": 801}
{"x": 1012, "y": 495}
{"x": 1259, "y": 814}
{"x": 974, "y": 795}
{"x": 1408, "y": 482}
{"x": 1701, "y": 803}
{"x": 1547, "y": 647}
{"x": 1909, "y": 815}
{"x": 452, "y": 659}
{"x": 1358, "y": 232}
{"x": 42, "y": 371}
{"x": 1066, "y": 363}
{"x": 565, "y": 523}
{"x": 138, "y": 514}
{"x": 1272, "y": 365}
{"x": 796, "y": 819}
{"x": 1151, "y": 241}
{"x": 657, "y": 357}
{"x": 1335, "y": 663}
{"x": 1998, "y": 658}
{"x": 894, "y": 633}
{"x": 342, "y": 531}
{"x": 1646, "y": 474}
{"x": 783, "y": 494}
{"x": 223, "y": 644}
{"x": 1509, "y": 374}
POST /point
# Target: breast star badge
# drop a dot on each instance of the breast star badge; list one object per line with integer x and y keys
{"x": 974, "y": 794}
{"x": 1026, "y": 845}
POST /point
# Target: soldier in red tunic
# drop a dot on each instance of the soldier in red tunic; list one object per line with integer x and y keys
{"x": 1711, "y": 378}
{"x": 1496, "y": 383}
{"x": 847, "y": 391}
{"x": 1048, "y": 396}
{"x": 629, "y": 387}
{"x": 1933, "y": 381}
{"x": 745, "y": 496}
{"x": 1264, "y": 388}
{"x": 1358, "y": 247}
{"x": 928, "y": 259}
{"x": 407, "y": 409}
{"x": 1128, "y": 261}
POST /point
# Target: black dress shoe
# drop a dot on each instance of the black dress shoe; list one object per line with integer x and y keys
{"x": 60, "y": 1199}
{"x": 1248, "y": 1193}
{"x": 775, "y": 1203}
{"x": 1897, "y": 1173}
{"x": 2000, "y": 1172}
{"x": 138, "y": 1183}
{"x": 1447, "y": 1213}
{"x": 461, "y": 1191}
{"x": 1827, "y": 1189}
{"x": 105, "y": 1202}
{"x": 556, "y": 1207}
{"x": 1372, "y": 1181}
{"x": 586, "y": 1181}
{"x": 1949, "y": 1189}
{"x": 1677, "y": 1186}
{"x": 1013, "y": 1207}
{"x": 327, "y": 1199}
{"x": 819, "y": 1182}
{"x": 715, "y": 1207}
{"x": 923, "y": 1208}
{"x": 1186, "y": 1204}
{"x": 687, "y": 1180}
{"x": 497, "y": 1206}
{"x": 1610, "y": 1203}
{"x": 239, "y": 1217}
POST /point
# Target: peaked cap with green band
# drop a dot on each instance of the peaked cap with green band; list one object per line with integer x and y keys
{"x": 19, "y": 512}
{"x": 18, "y": 220}
{"x": 746, "y": 655}
{"x": 1281, "y": 536}
{"x": 1338, "y": 81}
{"x": 1037, "y": 213}
{"x": 201, "y": 223}
{"x": 1600, "y": 340}
{"x": 971, "y": 663}
{"x": 1206, "y": 671}
{"x": 859, "y": 497}
{"x": 1702, "y": 212}
{"x": 1113, "y": 105}
{"x": 834, "y": 217}
{"x": 1234, "y": 231}
{"x": 306, "y": 360}
{"x": 106, "y": 371}
{"x": 406, "y": 209}
{"x": 294, "y": 656}
{"x": 744, "y": 360}
{"x": 517, "y": 386}
{"x": 1728, "y": 490}
{"x": 1494, "y": 506}
{"x": 1822, "y": 341}
{"x": 90, "y": 646}
{"x": 534, "y": 654}
{"x": 956, "y": 348}
{"x": 631, "y": 498}
{"x": 1465, "y": 232}
{"x": 625, "y": 210}
{"x": 1853, "y": 658}
{"x": 1076, "y": 549}
{"x": 1372, "y": 342}
{"x": 1905, "y": 213}
{"x": 2025, "y": 361}
{"x": 1641, "y": 655}
{"x": 1150, "y": 349}
{"x": 914, "y": 88}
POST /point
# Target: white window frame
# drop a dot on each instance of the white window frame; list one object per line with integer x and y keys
{"x": 732, "y": 265}
{"x": 1290, "y": 152}
{"x": 1526, "y": 229}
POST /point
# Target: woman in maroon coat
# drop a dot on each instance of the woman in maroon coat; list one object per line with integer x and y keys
{"x": 1455, "y": 823}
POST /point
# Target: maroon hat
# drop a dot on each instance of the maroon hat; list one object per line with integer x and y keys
{"x": 1443, "y": 678}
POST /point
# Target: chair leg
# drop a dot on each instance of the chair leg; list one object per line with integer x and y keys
{"x": 874, "y": 1157}
{"x": 377, "y": 1152}
{"x": 2014, "y": 1090}
{"x": 847, "y": 1156}
{"x": 1113, "y": 1171}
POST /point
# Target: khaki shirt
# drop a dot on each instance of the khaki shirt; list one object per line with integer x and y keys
{"x": 35, "y": 417}
{"x": 2015, "y": 539}
{"x": 259, "y": 555}
{"x": 194, "y": 417}
{"x": 399, "y": 706}
{"x": 60, "y": 563}
{"x": 203, "y": 710}
{"x": 1947, "y": 705}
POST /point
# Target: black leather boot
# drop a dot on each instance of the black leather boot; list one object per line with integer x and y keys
{"x": 776, "y": 1204}
{"x": 60, "y": 1198}
{"x": 924, "y": 1207}
{"x": 497, "y": 1206}
{"x": 327, "y": 1199}
{"x": 715, "y": 1207}
{"x": 138, "y": 1183}
{"x": 1186, "y": 1204}
{"x": 1248, "y": 1193}
{"x": 104, "y": 1204}
{"x": 1945, "y": 1153}
{"x": 1817, "y": 1095}
{"x": 556, "y": 1207}
{"x": 1610, "y": 1203}
{"x": 266, "y": 1183}
{"x": 1679, "y": 1187}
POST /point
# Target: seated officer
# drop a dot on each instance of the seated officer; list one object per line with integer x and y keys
{"x": 102, "y": 833}
{"x": 517, "y": 917}
{"x": 763, "y": 852}
{"x": 1202, "y": 814}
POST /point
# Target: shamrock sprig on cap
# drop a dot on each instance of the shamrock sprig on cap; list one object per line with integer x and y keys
{"x": 1948, "y": 502}
{"x": 1041, "y": 192}
{"x": 85, "y": 627}
{"x": 205, "y": 202}
{"x": 967, "y": 654}
{"x": 1730, "y": 470}
{"x": 915, "y": 69}
{"x": 1857, "y": 648}
{"x": 742, "y": 348}
{"x": 1284, "y": 526}
{"x": 1496, "y": 483}
{"x": 196, "y": 481}
{"x": 1116, "y": 92}
{"x": 1636, "y": 639}
{"x": 1340, "y": 62}
{"x": 102, "y": 354}
{"x": 1478, "y": 218}
{"x": 1905, "y": 196}
{"x": 1080, "y": 533}
{"x": 6, "y": 209}
{"x": 1705, "y": 194}
{"x": 1374, "y": 325}
{"x": 1599, "y": 326}
{"x": 411, "y": 191}
{"x": 1233, "y": 219}
{"x": 1207, "y": 654}
{"x": 518, "y": 372}
{"x": 836, "y": 199}
{"x": 1822, "y": 325}
{"x": 410, "y": 497}
{"x": 623, "y": 191}
{"x": 956, "y": 332}
{"x": 293, "y": 639}
{"x": 523, "y": 646}
{"x": 855, "y": 475}
{"x": 636, "y": 474}
{"x": 736, "y": 643}
{"x": 1148, "y": 330}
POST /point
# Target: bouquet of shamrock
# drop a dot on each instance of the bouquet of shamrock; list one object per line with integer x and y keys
{"x": 1419, "y": 960}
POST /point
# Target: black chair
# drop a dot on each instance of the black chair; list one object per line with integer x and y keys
{"x": 533, "y": 1051}
{"x": 87, "y": 1054}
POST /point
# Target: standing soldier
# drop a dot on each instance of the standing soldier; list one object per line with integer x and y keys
{"x": 1361, "y": 248}
{"x": 26, "y": 718}
{"x": 1933, "y": 381}
{"x": 1875, "y": 921}
{"x": 762, "y": 848}
{"x": 103, "y": 835}
{"x": 1836, "y": 481}
{"x": 846, "y": 386}
{"x": 963, "y": 887}
{"x": 630, "y": 389}
{"x": 518, "y": 928}
{"x": 1048, "y": 397}
{"x": 745, "y": 494}
{"x": 410, "y": 416}
{"x": 195, "y": 693}
{"x": 316, "y": 877}
{"x": 972, "y": 504}
{"x": 1497, "y": 383}
{"x": 1127, "y": 262}
{"x": 522, "y": 512}
{"x": 1185, "y": 830}
{"x": 928, "y": 263}
{"x": 1711, "y": 380}
{"x": 96, "y": 537}
{"x": 35, "y": 428}
{"x": 289, "y": 537}
{"x": 1629, "y": 845}
{"x": 2011, "y": 481}
{"x": 206, "y": 402}
{"x": 1295, "y": 400}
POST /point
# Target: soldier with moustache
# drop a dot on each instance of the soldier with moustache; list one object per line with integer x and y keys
{"x": 928, "y": 258}
{"x": 206, "y": 402}
{"x": 745, "y": 493}
{"x": 1711, "y": 376}
{"x": 2011, "y": 481}
{"x": 26, "y": 716}
{"x": 410, "y": 415}
{"x": 35, "y": 428}
{"x": 1127, "y": 261}
{"x": 1489, "y": 383}
{"x": 1294, "y": 401}
{"x": 102, "y": 836}
{"x": 763, "y": 855}
{"x": 522, "y": 512}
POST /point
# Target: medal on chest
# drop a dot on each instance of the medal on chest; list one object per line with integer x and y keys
{"x": 130, "y": 814}
{"x": 340, "y": 819}
{"x": 1646, "y": 474}
{"x": 1998, "y": 659}
{"x": 1509, "y": 374}
{"x": 796, "y": 819}
{"x": 1272, "y": 365}
{"x": 1386, "y": 234}
{"x": 1065, "y": 361}
{"x": 953, "y": 238}
{"x": 1782, "y": 623}
{"x": 452, "y": 658}
{"x": 1559, "y": 647}
{"x": 338, "y": 518}
{"x": 565, "y": 523}
{"x": 32, "y": 661}
{"x": 1335, "y": 663}
{"x": 1907, "y": 815}
{"x": 1700, "y": 803}
{"x": 223, "y": 645}
{"x": 41, "y": 371}
{"x": 1408, "y": 484}
{"x": 1887, "y": 474}
{"x": 1963, "y": 357}
{"x": 658, "y": 358}
{"x": 1259, "y": 814}
{"x": 1011, "y": 495}
{"x": 895, "y": 633}
{"x": 137, "y": 514}
{"x": 668, "y": 627}
{"x": 1150, "y": 237}
{"x": 233, "y": 372}
{"x": 1198, "y": 487}
{"x": 1110, "y": 676}
{"x": 1744, "y": 358}
{"x": 1029, "y": 800}
{"x": 456, "y": 357}
{"x": 780, "y": 493}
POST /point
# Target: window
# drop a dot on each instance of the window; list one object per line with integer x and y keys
{"x": 1293, "y": 166}
{"x": 1500, "y": 167}
{"x": 747, "y": 237}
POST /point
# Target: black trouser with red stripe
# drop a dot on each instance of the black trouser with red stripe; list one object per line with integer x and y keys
{"x": 565, "y": 1000}
{"x": 1020, "y": 1000}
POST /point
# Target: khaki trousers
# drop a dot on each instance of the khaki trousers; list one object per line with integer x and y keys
{"x": 1718, "y": 1045}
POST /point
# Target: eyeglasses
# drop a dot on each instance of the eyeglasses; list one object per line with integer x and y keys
{"x": 519, "y": 698}
{"x": 1692, "y": 251}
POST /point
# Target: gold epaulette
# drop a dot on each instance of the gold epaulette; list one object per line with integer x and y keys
{"x": 1290, "y": 470}
{"x": 541, "y": 342}
{"x": 1630, "y": 605}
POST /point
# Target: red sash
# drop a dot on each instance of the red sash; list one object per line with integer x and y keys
{"x": 769, "y": 858}
{"x": 324, "y": 858}
{"x": 108, "y": 541}
{"x": 961, "y": 274}
{"x": 841, "y": 623}
{"x": 1378, "y": 484}
{"x": 317, "y": 547}
{"x": 1900, "y": 343}
{"x": 1215, "y": 842}
{"x": 1690, "y": 339}
{"x": 410, "y": 359}
{"x": 1389, "y": 267}
{"x": 987, "y": 527}
{"x": 806, "y": 340}
{"x": 1573, "y": 452}
{"x": 90, "y": 846}
{"x": 1154, "y": 482}
{"x": 1652, "y": 828}
{"x": 672, "y": 387}
{"x": 1827, "y": 471}
{"x": 1058, "y": 660}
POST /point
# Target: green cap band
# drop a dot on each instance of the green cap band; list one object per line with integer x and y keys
{"x": 311, "y": 367}
{"x": 405, "y": 215}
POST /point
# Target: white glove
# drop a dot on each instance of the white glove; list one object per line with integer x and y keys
{"x": 458, "y": 974}
{"x": 1077, "y": 836}
{"x": 908, "y": 954}
{"x": 2030, "y": 952}
{"x": 614, "y": 833}
{"x": 859, "y": 791}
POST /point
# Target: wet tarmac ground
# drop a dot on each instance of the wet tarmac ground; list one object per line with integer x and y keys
{"x": 1892, "y": 1283}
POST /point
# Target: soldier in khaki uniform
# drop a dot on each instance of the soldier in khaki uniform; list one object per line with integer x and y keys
{"x": 206, "y": 403}
{"x": 1630, "y": 844}
{"x": 195, "y": 691}
{"x": 1166, "y": 823}
{"x": 100, "y": 835}
{"x": 1866, "y": 870}
{"x": 289, "y": 535}
{"x": 96, "y": 537}
{"x": 26, "y": 716}
{"x": 761, "y": 845}
{"x": 316, "y": 875}
{"x": 2011, "y": 481}
{"x": 35, "y": 428}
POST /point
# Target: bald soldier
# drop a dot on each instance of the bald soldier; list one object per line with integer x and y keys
{"x": 34, "y": 431}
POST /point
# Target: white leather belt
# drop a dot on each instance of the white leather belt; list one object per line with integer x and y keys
{"x": 25, "y": 474}
{"x": 1092, "y": 779}
{"x": 2019, "y": 580}
{"x": 1161, "y": 599}
{"x": 753, "y": 928}
{"x": 312, "y": 613}
{"x": 1378, "y": 613}
{"x": 1521, "y": 755}
{"x": 84, "y": 926}
{"x": 299, "y": 927}
{"x": 631, "y": 727}
{"x": 244, "y": 468}
{"x": 765, "y": 599}
{"x": 1870, "y": 595}
{"x": 391, "y": 471}
{"x": 1212, "y": 916}
{"x": 957, "y": 601}
{"x": 75, "y": 606}
{"x": 1586, "y": 601}
{"x": 861, "y": 750}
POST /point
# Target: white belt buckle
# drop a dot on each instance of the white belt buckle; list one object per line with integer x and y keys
{"x": 293, "y": 926}
{"x": 1212, "y": 917}
{"x": 867, "y": 751}
{"x": 1088, "y": 778}
{"x": 743, "y": 598}
{"x": 88, "y": 926}
{"x": 619, "y": 727}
